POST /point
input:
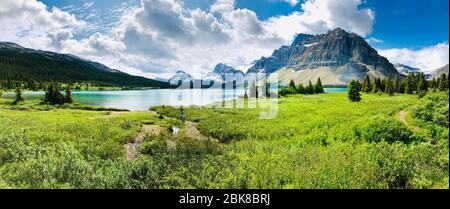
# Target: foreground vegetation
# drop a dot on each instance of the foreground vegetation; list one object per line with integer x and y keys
{"x": 317, "y": 141}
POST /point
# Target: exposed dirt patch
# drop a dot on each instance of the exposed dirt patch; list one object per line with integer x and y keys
{"x": 191, "y": 131}
{"x": 171, "y": 145}
{"x": 402, "y": 116}
{"x": 132, "y": 148}
{"x": 110, "y": 115}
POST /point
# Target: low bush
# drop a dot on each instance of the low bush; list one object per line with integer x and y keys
{"x": 380, "y": 129}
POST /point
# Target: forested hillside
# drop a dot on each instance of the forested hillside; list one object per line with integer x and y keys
{"x": 28, "y": 67}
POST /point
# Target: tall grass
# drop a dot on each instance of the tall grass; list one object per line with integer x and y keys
{"x": 315, "y": 142}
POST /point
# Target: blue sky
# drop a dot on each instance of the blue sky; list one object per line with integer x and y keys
{"x": 155, "y": 38}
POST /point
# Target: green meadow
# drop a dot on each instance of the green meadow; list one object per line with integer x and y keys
{"x": 316, "y": 141}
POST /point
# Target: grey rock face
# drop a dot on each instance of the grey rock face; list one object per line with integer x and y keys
{"x": 334, "y": 49}
{"x": 225, "y": 72}
{"x": 405, "y": 69}
{"x": 180, "y": 76}
{"x": 438, "y": 72}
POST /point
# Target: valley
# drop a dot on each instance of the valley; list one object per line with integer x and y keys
{"x": 321, "y": 141}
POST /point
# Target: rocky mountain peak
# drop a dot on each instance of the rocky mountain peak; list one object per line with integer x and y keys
{"x": 338, "y": 32}
{"x": 300, "y": 38}
{"x": 335, "y": 51}
{"x": 10, "y": 45}
{"x": 405, "y": 69}
{"x": 222, "y": 72}
{"x": 224, "y": 69}
{"x": 438, "y": 72}
{"x": 180, "y": 75}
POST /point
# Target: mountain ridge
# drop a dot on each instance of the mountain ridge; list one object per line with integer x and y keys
{"x": 24, "y": 64}
{"x": 438, "y": 72}
{"x": 337, "y": 57}
{"x": 405, "y": 69}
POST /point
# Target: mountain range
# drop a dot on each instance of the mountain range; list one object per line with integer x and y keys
{"x": 18, "y": 63}
{"x": 405, "y": 69}
{"x": 438, "y": 72}
{"x": 336, "y": 57}
{"x": 221, "y": 74}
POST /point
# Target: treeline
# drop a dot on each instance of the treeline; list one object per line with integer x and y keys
{"x": 17, "y": 67}
{"x": 413, "y": 84}
{"x": 6, "y": 85}
{"x": 53, "y": 95}
{"x": 36, "y": 85}
{"x": 300, "y": 89}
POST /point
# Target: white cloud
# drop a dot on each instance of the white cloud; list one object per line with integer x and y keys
{"x": 319, "y": 16}
{"x": 223, "y": 6}
{"x": 31, "y": 23}
{"x": 427, "y": 59}
{"x": 163, "y": 36}
{"x": 58, "y": 37}
{"x": 373, "y": 40}
{"x": 291, "y": 2}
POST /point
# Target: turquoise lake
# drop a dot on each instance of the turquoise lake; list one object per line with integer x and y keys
{"x": 140, "y": 100}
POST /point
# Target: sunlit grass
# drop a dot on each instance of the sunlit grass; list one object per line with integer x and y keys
{"x": 316, "y": 141}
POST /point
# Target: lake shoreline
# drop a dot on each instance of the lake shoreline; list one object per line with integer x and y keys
{"x": 141, "y": 100}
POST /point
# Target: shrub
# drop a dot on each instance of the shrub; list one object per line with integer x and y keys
{"x": 19, "y": 97}
{"x": 354, "y": 94}
{"x": 385, "y": 129}
{"x": 53, "y": 96}
{"x": 434, "y": 109}
{"x": 126, "y": 124}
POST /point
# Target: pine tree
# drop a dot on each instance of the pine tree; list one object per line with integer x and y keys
{"x": 409, "y": 84}
{"x": 367, "y": 85}
{"x": 354, "y": 91}
{"x": 301, "y": 89}
{"x": 68, "y": 96}
{"x": 375, "y": 86}
{"x": 389, "y": 86}
{"x": 319, "y": 88}
{"x": 19, "y": 97}
{"x": 53, "y": 96}
{"x": 310, "y": 88}
{"x": 448, "y": 81}
{"x": 434, "y": 84}
{"x": 378, "y": 86}
{"x": 401, "y": 87}
{"x": 443, "y": 82}
{"x": 397, "y": 84}
{"x": 422, "y": 86}
{"x": 292, "y": 86}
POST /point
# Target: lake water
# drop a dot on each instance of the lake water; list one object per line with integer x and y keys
{"x": 141, "y": 100}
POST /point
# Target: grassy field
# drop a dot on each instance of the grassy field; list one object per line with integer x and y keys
{"x": 321, "y": 141}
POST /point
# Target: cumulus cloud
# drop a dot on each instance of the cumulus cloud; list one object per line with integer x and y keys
{"x": 58, "y": 37}
{"x": 427, "y": 59}
{"x": 291, "y": 2}
{"x": 164, "y": 36}
{"x": 319, "y": 16}
{"x": 222, "y": 6}
{"x": 373, "y": 40}
{"x": 30, "y": 22}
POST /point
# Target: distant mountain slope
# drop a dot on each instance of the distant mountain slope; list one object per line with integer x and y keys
{"x": 335, "y": 57}
{"x": 23, "y": 64}
{"x": 405, "y": 69}
{"x": 438, "y": 72}
{"x": 223, "y": 72}
{"x": 180, "y": 76}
